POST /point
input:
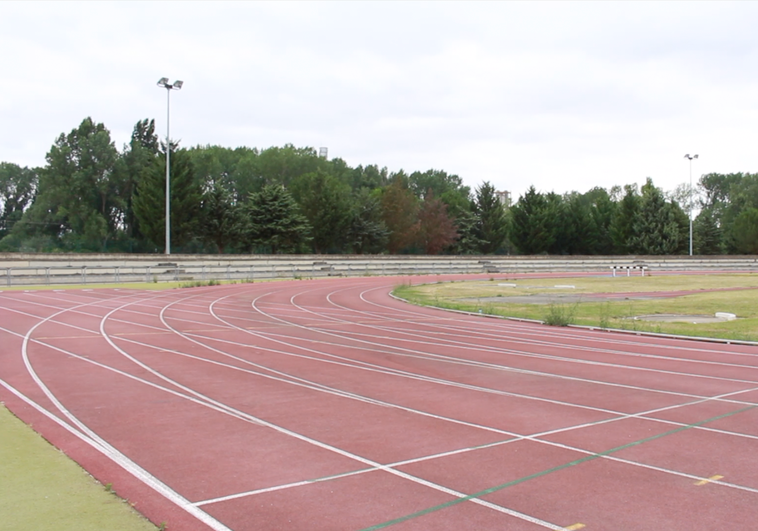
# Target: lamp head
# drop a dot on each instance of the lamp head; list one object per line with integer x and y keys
{"x": 178, "y": 85}
{"x": 162, "y": 82}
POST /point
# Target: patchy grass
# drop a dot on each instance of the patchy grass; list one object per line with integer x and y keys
{"x": 43, "y": 490}
{"x": 475, "y": 296}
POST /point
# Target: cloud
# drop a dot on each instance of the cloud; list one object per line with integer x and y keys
{"x": 560, "y": 95}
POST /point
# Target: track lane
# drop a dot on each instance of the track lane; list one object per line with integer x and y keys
{"x": 200, "y": 326}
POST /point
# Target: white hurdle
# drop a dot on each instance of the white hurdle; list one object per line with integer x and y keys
{"x": 629, "y": 269}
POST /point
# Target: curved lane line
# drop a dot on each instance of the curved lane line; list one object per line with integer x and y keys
{"x": 115, "y": 455}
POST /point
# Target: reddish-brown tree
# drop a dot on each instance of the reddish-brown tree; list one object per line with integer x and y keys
{"x": 399, "y": 210}
{"x": 436, "y": 230}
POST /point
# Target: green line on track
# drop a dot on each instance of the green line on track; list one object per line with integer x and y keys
{"x": 551, "y": 470}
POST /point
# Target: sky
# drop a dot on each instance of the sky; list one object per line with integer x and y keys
{"x": 560, "y": 96}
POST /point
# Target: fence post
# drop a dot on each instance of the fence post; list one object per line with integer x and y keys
{"x": 8, "y": 275}
{"x": 118, "y": 274}
{"x": 47, "y": 276}
{"x": 84, "y": 274}
{"x": 147, "y": 274}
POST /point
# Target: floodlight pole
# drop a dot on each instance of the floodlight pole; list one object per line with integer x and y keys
{"x": 690, "y": 197}
{"x": 177, "y": 85}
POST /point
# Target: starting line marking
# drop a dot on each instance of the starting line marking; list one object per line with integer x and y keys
{"x": 706, "y": 481}
{"x": 575, "y": 527}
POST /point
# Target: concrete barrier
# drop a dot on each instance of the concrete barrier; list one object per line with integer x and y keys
{"x": 18, "y": 269}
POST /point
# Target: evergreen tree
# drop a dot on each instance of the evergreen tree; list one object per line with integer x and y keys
{"x": 275, "y": 222}
{"x": 622, "y": 225}
{"x": 223, "y": 222}
{"x": 325, "y": 202}
{"x": 745, "y": 231}
{"x": 531, "y": 228}
{"x": 491, "y": 220}
{"x": 657, "y": 230}
{"x": 602, "y": 212}
{"x": 150, "y": 201}
{"x": 706, "y": 234}
{"x": 467, "y": 242}
{"x": 367, "y": 232}
{"x": 139, "y": 155}
{"x": 576, "y": 230}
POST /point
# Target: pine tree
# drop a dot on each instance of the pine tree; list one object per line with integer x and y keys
{"x": 657, "y": 229}
{"x": 622, "y": 225}
{"x": 275, "y": 222}
{"x": 223, "y": 223}
{"x": 367, "y": 233}
{"x": 706, "y": 234}
{"x": 492, "y": 222}
{"x": 150, "y": 201}
{"x": 531, "y": 227}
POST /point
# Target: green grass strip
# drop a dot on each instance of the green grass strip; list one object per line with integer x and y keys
{"x": 551, "y": 470}
{"x": 43, "y": 490}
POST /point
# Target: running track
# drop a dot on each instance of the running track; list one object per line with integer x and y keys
{"x": 328, "y": 405}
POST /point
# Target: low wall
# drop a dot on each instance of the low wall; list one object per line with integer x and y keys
{"x": 18, "y": 269}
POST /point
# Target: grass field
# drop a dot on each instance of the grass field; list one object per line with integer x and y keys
{"x": 568, "y": 301}
{"x": 43, "y": 490}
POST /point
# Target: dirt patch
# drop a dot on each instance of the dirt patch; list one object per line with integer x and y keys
{"x": 559, "y": 298}
{"x": 678, "y": 318}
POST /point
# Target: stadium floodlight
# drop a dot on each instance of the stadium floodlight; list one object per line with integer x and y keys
{"x": 690, "y": 158}
{"x": 177, "y": 85}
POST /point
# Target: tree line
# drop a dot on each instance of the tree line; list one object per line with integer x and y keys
{"x": 92, "y": 197}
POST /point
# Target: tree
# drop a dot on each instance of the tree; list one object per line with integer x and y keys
{"x": 139, "y": 155}
{"x": 575, "y": 230}
{"x": 282, "y": 165}
{"x": 622, "y": 225}
{"x": 150, "y": 200}
{"x": 79, "y": 200}
{"x": 275, "y": 221}
{"x": 370, "y": 177}
{"x": 367, "y": 232}
{"x": 436, "y": 231}
{"x": 437, "y": 182}
{"x": 399, "y": 213}
{"x": 325, "y": 202}
{"x": 491, "y": 221}
{"x": 657, "y": 228}
{"x": 223, "y": 222}
{"x": 17, "y": 190}
{"x": 531, "y": 229}
{"x": 706, "y": 234}
{"x": 745, "y": 231}
{"x": 602, "y": 212}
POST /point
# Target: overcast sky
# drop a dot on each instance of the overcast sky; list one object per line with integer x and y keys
{"x": 563, "y": 96}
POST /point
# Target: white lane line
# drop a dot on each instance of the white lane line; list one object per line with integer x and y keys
{"x": 514, "y": 327}
{"x": 369, "y": 462}
{"x": 403, "y": 352}
{"x": 514, "y": 438}
{"x": 116, "y": 456}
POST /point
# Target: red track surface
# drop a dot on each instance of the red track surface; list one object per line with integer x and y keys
{"x": 329, "y": 405}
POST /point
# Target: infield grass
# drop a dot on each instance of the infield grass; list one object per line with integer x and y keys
{"x": 43, "y": 490}
{"x": 567, "y": 301}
